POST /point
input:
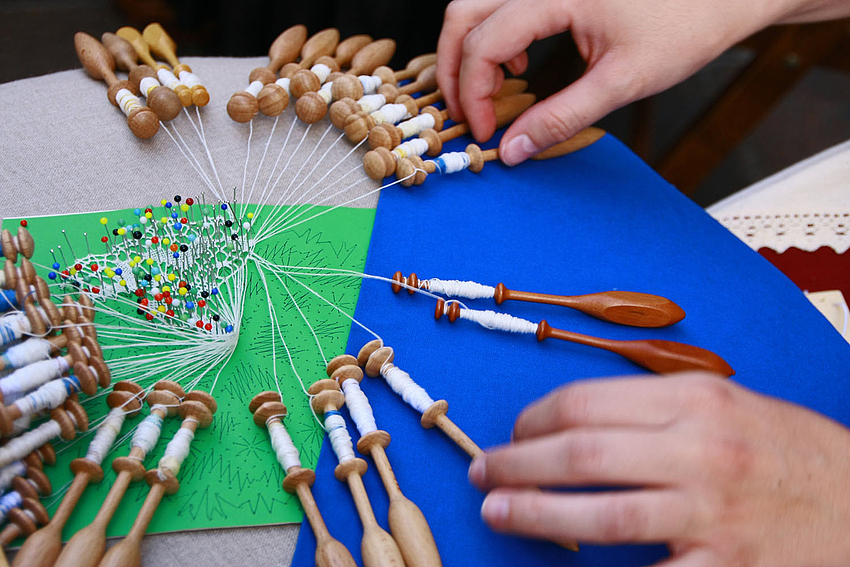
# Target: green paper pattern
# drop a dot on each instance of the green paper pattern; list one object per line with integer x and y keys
{"x": 231, "y": 477}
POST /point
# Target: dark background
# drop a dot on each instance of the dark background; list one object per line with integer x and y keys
{"x": 36, "y": 38}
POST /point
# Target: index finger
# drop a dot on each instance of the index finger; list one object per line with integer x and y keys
{"x": 501, "y": 38}
{"x": 461, "y": 17}
{"x": 649, "y": 401}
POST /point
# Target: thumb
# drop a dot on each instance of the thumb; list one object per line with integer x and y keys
{"x": 564, "y": 114}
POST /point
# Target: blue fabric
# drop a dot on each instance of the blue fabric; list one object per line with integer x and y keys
{"x": 8, "y": 301}
{"x": 597, "y": 220}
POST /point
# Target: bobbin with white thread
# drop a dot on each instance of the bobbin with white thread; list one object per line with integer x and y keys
{"x": 268, "y": 413}
{"x": 162, "y": 100}
{"x": 380, "y": 162}
{"x": 389, "y": 135}
{"x": 161, "y": 44}
{"x": 35, "y": 349}
{"x": 43, "y": 547}
{"x": 344, "y": 108}
{"x": 357, "y": 126}
{"x": 64, "y": 423}
{"x": 163, "y": 72}
{"x": 87, "y": 546}
{"x": 197, "y": 410}
{"x": 378, "y": 548}
{"x": 408, "y": 525}
{"x": 99, "y": 64}
{"x": 24, "y": 521}
{"x": 377, "y": 360}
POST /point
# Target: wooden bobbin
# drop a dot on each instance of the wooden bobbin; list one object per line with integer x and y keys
{"x": 99, "y": 64}
{"x": 389, "y": 135}
{"x": 416, "y": 66}
{"x": 370, "y": 56}
{"x": 197, "y": 410}
{"x": 322, "y": 44}
{"x": 142, "y": 48}
{"x": 377, "y": 547}
{"x": 426, "y": 81}
{"x": 408, "y": 525}
{"x": 162, "y": 100}
{"x": 85, "y": 368}
{"x": 12, "y": 274}
{"x": 344, "y": 107}
{"x": 380, "y": 162}
{"x": 357, "y": 126}
{"x": 43, "y": 547}
{"x": 267, "y": 407}
{"x": 87, "y": 546}
{"x": 414, "y": 170}
{"x": 22, "y": 243}
{"x": 162, "y": 45}
{"x": 24, "y": 521}
{"x": 377, "y": 358}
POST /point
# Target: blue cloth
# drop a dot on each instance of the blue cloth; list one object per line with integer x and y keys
{"x": 8, "y": 301}
{"x": 596, "y": 220}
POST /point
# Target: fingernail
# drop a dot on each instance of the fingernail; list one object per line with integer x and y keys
{"x": 518, "y": 150}
{"x": 477, "y": 470}
{"x": 495, "y": 508}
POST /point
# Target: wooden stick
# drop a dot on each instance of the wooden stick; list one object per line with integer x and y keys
{"x": 381, "y": 162}
{"x": 377, "y": 547}
{"x": 197, "y": 410}
{"x": 161, "y": 100}
{"x": 408, "y": 525}
{"x": 621, "y": 307}
{"x": 23, "y": 521}
{"x": 99, "y": 64}
{"x": 656, "y": 355}
{"x": 162, "y": 44}
{"x": 86, "y": 547}
{"x": 267, "y": 409}
{"x": 43, "y": 547}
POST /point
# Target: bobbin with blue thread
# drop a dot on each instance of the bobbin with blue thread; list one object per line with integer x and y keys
{"x": 24, "y": 521}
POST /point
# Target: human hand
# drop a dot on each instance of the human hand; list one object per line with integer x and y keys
{"x": 633, "y": 49}
{"x": 725, "y": 476}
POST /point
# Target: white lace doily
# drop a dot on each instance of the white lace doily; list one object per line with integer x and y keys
{"x": 806, "y": 206}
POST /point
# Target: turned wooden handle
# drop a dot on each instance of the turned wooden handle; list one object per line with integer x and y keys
{"x": 623, "y": 307}
{"x": 415, "y": 66}
{"x": 286, "y": 47}
{"x": 323, "y": 43}
{"x": 161, "y": 43}
{"x": 372, "y": 56}
{"x": 656, "y": 355}
{"x": 96, "y": 60}
{"x": 125, "y": 56}
{"x": 585, "y": 138}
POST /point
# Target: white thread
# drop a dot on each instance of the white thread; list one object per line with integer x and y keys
{"x": 127, "y": 101}
{"x": 177, "y": 450}
{"x": 325, "y": 92}
{"x": 452, "y": 162}
{"x": 370, "y": 83}
{"x": 338, "y": 434}
{"x": 498, "y": 321}
{"x": 284, "y": 448}
{"x": 167, "y": 78}
{"x": 358, "y": 407}
{"x": 371, "y": 103}
{"x": 29, "y": 351}
{"x": 321, "y": 71}
{"x": 458, "y": 288}
{"x": 148, "y": 431}
{"x": 20, "y": 447}
{"x": 7, "y": 473}
{"x": 414, "y": 147}
{"x": 390, "y": 114}
{"x": 403, "y": 385}
{"x": 417, "y": 124}
{"x": 105, "y": 437}
{"x": 147, "y": 84}
{"x": 50, "y": 395}
{"x": 284, "y": 83}
{"x": 13, "y": 328}
{"x": 189, "y": 79}
{"x": 8, "y": 501}
{"x": 32, "y": 376}
{"x": 21, "y": 425}
{"x": 254, "y": 88}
